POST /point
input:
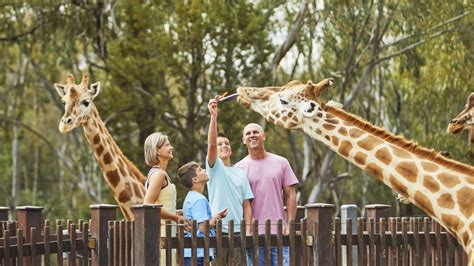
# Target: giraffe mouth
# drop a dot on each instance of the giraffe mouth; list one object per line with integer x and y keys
{"x": 455, "y": 128}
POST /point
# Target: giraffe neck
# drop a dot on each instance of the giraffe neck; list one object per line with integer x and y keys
{"x": 443, "y": 188}
{"x": 121, "y": 175}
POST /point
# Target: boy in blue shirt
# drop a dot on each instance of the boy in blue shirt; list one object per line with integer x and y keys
{"x": 196, "y": 206}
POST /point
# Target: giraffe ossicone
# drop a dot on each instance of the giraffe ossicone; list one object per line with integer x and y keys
{"x": 441, "y": 187}
{"x": 121, "y": 175}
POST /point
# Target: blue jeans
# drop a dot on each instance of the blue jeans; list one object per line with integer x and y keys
{"x": 274, "y": 256}
{"x": 200, "y": 261}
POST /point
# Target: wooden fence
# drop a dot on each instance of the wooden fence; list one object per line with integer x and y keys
{"x": 315, "y": 238}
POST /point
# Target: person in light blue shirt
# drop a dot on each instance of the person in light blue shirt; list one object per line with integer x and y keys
{"x": 196, "y": 206}
{"x": 228, "y": 186}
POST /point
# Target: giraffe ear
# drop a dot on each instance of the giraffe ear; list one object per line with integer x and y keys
{"x": 60, "y": 89}
{"x": 94, "y": 89}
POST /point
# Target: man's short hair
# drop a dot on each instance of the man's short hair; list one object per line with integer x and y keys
{"x": 186, "y": 174}
{"x": 222, "y": 135}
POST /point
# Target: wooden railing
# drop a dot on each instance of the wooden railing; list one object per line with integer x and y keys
{"x": 316, "y": 238}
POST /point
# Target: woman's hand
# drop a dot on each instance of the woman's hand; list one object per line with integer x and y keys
{"x": 186, "y": 223}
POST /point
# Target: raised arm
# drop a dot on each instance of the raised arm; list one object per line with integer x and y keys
{"x": 212, "y": 133}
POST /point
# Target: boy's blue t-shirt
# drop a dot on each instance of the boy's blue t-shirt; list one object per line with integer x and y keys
{"x": 228, "y": 187}
{"x": 196, "y": 207}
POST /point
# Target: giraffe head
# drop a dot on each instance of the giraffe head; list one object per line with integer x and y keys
{"x": 77, "y": 100}
{"x": 285, "y": 106}
{"x": 465, "y": 119}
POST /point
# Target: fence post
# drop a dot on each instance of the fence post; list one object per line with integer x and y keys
{"x": 28, "y": 217}
{"x": 101, "y": 214}
{"x": 377, "y": 211}
{"x": 4, "y": 213}
{"x": 321, "y": 214}
{"x": 349, "y": 211}
{"x": 147, "y": 236}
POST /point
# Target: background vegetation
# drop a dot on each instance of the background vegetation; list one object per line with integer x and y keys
{"x": 403, "y": 65}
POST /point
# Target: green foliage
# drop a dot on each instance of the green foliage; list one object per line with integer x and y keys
{"x": 160, "y": 62}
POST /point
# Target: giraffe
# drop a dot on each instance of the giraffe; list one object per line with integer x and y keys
{"x": 122, "y": 176}
{"x": 441, "y": 187}
{"x": 465, "y": 119}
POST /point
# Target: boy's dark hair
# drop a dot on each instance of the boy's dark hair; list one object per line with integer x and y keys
{"x": 222, "y": 135}
{"x": 186, "y": 174}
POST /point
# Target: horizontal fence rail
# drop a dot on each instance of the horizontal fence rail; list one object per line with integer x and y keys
{"x": 315, "y": 238}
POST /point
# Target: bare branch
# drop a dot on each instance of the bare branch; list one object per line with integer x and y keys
{"x": 413, "y": 45}
{"x": 290, "y": 39}
{"x": 456, "y": 18}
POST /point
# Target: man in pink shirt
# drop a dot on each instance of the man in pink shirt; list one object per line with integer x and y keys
{"x": 270, "y": 177}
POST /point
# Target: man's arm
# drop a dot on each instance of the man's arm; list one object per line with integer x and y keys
{"x": 290, "y": 195}
{"x": 248, "y": 215}
{"x": 212, "y": 133}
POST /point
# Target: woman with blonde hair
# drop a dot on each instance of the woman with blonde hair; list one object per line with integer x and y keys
{"x": 159, "y": 188}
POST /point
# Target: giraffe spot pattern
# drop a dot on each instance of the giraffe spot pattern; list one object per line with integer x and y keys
{"x": 360, "y": 158}
{"x": 431, "y": 184}
{"x": 332, "y": 121}
{"x": 122, "y": 171}
{"x": 471, "y": 226}
{"x": 342, "y": 131}
{"x": 452, "y": 222}
{"x": 369, "y": 143}
{"x": 319, "y": 115}
{"x": 374, "y": 170}
{"x": 446, "y": 201}
{"x": 113, "y": 177}
{"x": 398, "y": 186}
{"x": 327, "y": 137}
{"x": 400, "y": 153}
{"x": 448, "y": 180}
{"x": 284, "y": 118}
{"x": 292, "y": 124}
{"x": 430, "y": 167}
{"x": 424, "y": 203}
{"x": 329, "y": 126}
{"x": 124, "y": 196}
{"x": 137, "y": 190}
{"x": 335, "y": 140}
{"x": 384, "y": 155}
{"x": 466, "y": 201}
{"x": 96, "y": 139}
{"x": 465, "y": 238}
{"x": 107, "y": 158}
{"x": 345, "y": 148}
{"x": 408, "y": 170}
{"x": 280, "y": 124}
{"x": 100, "y": 149}
{"x": 355, "y": 132}
{"x": 318, "y": 131}
{"x": 470, "y": 179}
{"x": 328, "y": 116}
{"x": 290, "y": 114}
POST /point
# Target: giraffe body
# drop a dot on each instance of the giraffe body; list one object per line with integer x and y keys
{"x": 443, "y": 188}
{"x": 122, "y": 176}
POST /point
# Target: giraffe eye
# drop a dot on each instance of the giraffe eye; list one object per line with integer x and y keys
{"x": 85, "y": 103}
{"x": 283, "y": 101}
